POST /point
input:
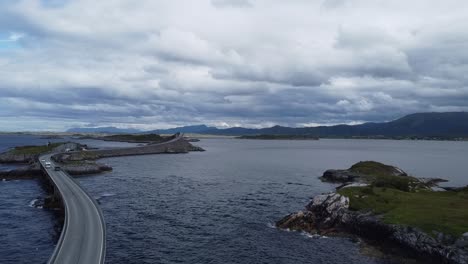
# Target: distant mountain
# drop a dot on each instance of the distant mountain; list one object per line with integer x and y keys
{"x": 109, "y": 130}
{"x": 450, "y": 124}
{"x": 441, "y": 125}
{"x": 184, "y": 129}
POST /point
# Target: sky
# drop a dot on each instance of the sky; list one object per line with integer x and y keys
{"x": 256, "y": 63}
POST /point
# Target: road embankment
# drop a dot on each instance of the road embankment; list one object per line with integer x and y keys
{"x": 82, "y": 161}
{"x": 174, "y": 146}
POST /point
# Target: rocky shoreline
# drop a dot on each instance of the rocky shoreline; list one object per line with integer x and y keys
{"x": 330, "y": 214}
{"x": 78, "y": 159}
{"x": 26, "y": 172}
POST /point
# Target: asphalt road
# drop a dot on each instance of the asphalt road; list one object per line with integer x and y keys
{"x": 83, "y": 237}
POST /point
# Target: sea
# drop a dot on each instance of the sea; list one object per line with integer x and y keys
{"x": 217, "y": 206}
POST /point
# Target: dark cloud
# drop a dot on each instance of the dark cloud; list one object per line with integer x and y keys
{"x": 155, "y": 64}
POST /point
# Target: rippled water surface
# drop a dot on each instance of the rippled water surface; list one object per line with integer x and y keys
{"x": 26, "y": 233}
{"x": 218, "y": 206}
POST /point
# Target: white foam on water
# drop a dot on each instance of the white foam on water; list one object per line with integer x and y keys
{"x": 314, "y": 236}
{"x": 107, "y": 194}
{"x": 33, "y": 203}
{"x": 103, "y": 195}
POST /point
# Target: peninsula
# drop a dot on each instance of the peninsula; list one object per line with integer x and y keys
{"x": 78, "y": 159}
{"x": 385, "y": 206}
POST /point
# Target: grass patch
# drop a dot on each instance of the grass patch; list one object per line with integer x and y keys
{"x": 402, "y": 183}
{"x": 385, "y": 176}
{"x": 35, "y": 149}
{"x": 445, "y": 212}
{"x": 372, "y": 168}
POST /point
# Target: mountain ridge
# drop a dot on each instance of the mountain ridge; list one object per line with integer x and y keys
{"x": 431, "y": 124}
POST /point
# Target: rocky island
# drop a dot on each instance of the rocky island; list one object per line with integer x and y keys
{"x": 78, "y": 159}
{"x": 385, "y": 206}
{"x": 131, "y": 138}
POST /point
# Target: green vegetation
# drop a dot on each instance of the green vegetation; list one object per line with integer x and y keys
{"x": 35, "y": 149}
{"x": 445, "y": 212}
{"x": 373, "y": 168}
{"x": 143, "y": 138}
{"x": 381, "y": 175}
{"x": 405, "y": 200}
{"x": 296, "y": 137}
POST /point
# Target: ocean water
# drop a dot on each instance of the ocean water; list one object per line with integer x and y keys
{"x": 219, "y": 206}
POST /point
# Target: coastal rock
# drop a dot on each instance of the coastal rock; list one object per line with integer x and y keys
{"x": 52, "y": 202}
{"x": 339, "y": 176}
{"x": 298, "y": 221}
{"x": 85, "y": 168}
{"x": 425, "y": 245}
{"x": 179, "y": 146}
{"x": 359, "y": 171}
{"x": 321, "y": 214}
{"x": 462, "y": 242}
{"x": 431, "y": 182}
{"x": 195, "y": 148}
{"x": 8, "y": 157}
{"x": 12, "y": 156}
{"x": 329, "y": 213}
{"x": 28, "y": 172}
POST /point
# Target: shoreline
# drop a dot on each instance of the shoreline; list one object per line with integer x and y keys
{"x": 82, "y": 161}
{"x": 338, "y": 214}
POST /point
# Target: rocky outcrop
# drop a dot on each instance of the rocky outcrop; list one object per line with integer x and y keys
{"x": 78, "y": 159}
{"x": 179, "y": 146}
{"x": 13, "y": 157}
{"x": 28, "y": 172}
{"x": 300, "y": 221}
{"x": 322, "y": 215}
{"x": 359, "y": 171}
{"x": 84, "y": 168}
{"x": 329, "y": 213}
{"x": 10, "y": 157}
{"x": 340, "y": 176}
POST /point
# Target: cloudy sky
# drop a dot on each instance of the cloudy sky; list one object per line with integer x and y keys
{"x": 157, "y": 64}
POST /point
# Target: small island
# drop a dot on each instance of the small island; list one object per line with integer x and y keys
{"x": 279, "y": 137}
{"x": 130, "y": 138}
{"x": 385, "y": 206}
{"x": 136, "y": 138}
{"x": 78, "y": 159}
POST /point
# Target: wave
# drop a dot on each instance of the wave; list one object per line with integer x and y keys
{"x": 35, "y": 203}
{"x": 314, "y": 236}
{"x": 104, "y": 195}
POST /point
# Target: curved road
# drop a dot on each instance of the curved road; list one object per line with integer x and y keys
{"x": 83, "y": 238}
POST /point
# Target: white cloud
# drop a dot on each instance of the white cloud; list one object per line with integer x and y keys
{"x": 235, "y": 62}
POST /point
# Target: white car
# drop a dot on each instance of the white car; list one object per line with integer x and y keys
{"x": 43, "y": 160}
{"x": 47, "y": 166}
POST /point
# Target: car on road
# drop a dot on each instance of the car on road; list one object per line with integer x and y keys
{"x": 43, "y": 160}
{"x": 48, "y": 166}
{"x": 57, "y": 168}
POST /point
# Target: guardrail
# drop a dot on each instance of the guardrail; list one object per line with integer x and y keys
{"x": 81, "y": 256}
